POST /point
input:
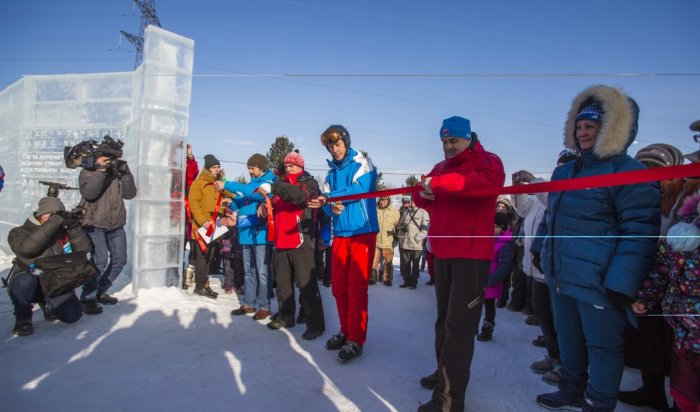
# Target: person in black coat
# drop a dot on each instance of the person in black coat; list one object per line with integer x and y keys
{"x": 47, "y": 232}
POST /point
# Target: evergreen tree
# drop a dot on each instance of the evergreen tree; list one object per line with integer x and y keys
{"x": 380, "y": 181}
{"x": 411, "y": 180}
{"x": 278, "y": 150}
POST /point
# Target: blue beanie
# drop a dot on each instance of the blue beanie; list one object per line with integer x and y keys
{"x": 456, "y": 126}
{"x": 592, "y": 111}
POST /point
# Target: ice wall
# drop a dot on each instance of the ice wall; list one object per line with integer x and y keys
{"x": 156, "y": 136}
{"x": 148, "y": 109}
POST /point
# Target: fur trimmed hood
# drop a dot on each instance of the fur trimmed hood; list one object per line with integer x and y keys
{"x": 619, "y": 124}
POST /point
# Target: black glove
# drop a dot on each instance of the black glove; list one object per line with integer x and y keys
{"x": 619, "y": 300}
{"x": 120, "y": 167}
{"x": 536, "y": 261}
{"x": 70, "y": 219}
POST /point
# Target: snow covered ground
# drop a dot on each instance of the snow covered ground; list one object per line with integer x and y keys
{"x": 172, "y": 351}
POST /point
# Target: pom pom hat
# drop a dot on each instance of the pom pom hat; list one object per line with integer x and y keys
{"x": 295, "y": 159}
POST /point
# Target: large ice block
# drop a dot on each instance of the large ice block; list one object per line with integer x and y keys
{"x": 148, "y": 109}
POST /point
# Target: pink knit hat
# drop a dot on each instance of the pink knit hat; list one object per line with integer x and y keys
{"x": 295, "y": 159}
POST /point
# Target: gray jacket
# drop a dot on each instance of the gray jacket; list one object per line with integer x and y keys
{"x": 104, "y": 194}
{"x": 416, "y": 228}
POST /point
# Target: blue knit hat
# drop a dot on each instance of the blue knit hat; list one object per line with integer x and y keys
{"x": 456, "y": 126}
{"x": 592, "y": 111}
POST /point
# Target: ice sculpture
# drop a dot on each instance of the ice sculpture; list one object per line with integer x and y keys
{"x": 147, "y": 108}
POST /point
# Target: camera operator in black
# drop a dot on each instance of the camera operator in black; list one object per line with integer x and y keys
{"x": 49, "y": 231}
{"x": 104, "y": 190}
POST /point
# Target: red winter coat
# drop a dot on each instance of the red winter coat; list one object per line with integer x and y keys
{"x": 462, "y": 227}
{"x": 294, "y": 222}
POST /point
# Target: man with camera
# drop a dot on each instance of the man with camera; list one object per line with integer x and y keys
{"x": 104, "y": 189}
{"x": 411, "y": 230}
{"x": 47, "y": 234}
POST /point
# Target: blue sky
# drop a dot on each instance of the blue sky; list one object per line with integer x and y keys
{"x": 515, "y": 63}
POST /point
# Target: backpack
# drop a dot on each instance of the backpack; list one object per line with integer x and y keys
{"x": 63, "y": 273}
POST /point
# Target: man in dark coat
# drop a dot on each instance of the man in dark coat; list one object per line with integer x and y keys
{"x": 45, "y": 233}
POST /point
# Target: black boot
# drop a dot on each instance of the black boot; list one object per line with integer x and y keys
{"x": 592, "y": 405}
{"x": 23, "y": 327}
{"x": 486, "y": 332}
{"x": 373, "y": 277}
{"x": 645, "y": 396}
{"x": 569, "y": 395}
{"x": 91, "y": 307}
{"x": 430, "y": 381}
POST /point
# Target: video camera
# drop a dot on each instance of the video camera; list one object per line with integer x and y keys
{"x": 55, "y": 187}
{"x": 77, "y": 213}
{"x": 86, "y": 153}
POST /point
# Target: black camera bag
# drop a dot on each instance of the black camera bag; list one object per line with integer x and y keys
{"x": 63, "y": 273}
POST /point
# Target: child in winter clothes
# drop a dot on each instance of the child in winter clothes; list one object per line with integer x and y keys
{"x": 501, "y": 266}
{"x": 231, "y": 253}
{"x": 674, "y": 282}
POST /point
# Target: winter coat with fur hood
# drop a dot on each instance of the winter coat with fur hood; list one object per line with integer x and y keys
{"x": 601, "y": 239}
{"x": 674, "y": 280}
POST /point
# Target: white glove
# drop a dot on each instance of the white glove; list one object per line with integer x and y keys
{"x": 266, "y": 187}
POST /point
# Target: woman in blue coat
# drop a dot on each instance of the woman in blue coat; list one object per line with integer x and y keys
{"x": 598, "y": 245}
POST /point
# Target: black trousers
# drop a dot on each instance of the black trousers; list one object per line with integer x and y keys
{"x": 234, "y": 274}
{"x": 202, "y": 263}
{"x": 542, "y": 306}
{"x": 410, "y": 260}
{"x": 490, "y": 310}
{"x": 459, "y": 289}
{"x": 296, "y": 265}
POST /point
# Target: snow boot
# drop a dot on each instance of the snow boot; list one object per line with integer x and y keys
{"x": 430, "y": 381}
{"x": 594, "y": 405}
{"x": 486, "y": 332}
{"x": 645, "y": 396}
{"x": 349, "y": 351}
{"x": 336, "y": 341}
{"x": 23, "y": 327}
{"x": 569, "y": 396}
{"x": 91, "y": 307}
{"x": 552, "y": 377}
{"x": 430, "y": 406}
{"x": 543, "y": 366}
{"x": 373, "y": 277}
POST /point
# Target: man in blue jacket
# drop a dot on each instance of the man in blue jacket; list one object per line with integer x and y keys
{"x": 355, "y": 228}
{"x": 252, "y": 234}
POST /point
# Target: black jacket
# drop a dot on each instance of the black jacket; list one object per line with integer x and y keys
{"x": 34, "y": 240}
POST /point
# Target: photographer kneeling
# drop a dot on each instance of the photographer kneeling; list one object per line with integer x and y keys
{"x": 50, "y": 242}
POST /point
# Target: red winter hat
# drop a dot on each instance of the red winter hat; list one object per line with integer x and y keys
{"x": 294, "y": 158}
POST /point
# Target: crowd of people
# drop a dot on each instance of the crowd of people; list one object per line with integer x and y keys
{"x": 587, "y": 266}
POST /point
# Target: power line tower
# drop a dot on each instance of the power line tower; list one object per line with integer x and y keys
{"x": 148, "y": 16}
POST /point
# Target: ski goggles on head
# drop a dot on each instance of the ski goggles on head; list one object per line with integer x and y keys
{"x": 329, "y": 137}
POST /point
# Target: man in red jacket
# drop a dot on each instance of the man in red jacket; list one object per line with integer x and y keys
{"x": 461, "y": 238}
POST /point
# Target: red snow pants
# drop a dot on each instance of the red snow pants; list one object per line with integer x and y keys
{"x": 351, "y": 262}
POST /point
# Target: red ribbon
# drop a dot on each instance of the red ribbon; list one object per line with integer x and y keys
{"x": 588, "y": 182}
